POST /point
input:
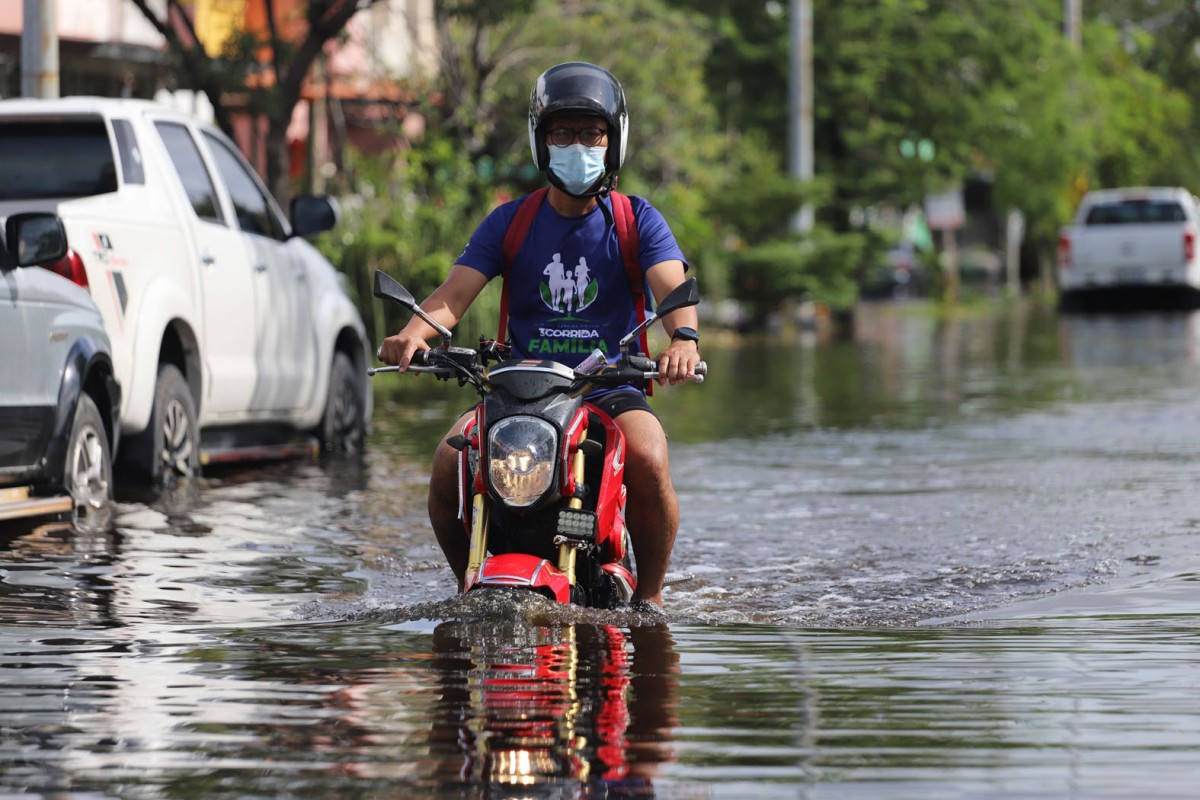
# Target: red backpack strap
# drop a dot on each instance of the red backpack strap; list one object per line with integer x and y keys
{"x": 627, "y": 239}
{"x": 518, "y": 229}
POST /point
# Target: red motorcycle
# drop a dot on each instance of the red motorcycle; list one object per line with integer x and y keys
{"x": 541, "y": 488}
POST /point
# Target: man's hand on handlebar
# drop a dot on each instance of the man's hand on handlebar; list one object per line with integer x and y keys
{"x": 399, "y": 349}
{"x": 677, "y": 362}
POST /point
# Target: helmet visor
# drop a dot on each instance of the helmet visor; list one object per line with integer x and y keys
{"x": 582, "y": 88}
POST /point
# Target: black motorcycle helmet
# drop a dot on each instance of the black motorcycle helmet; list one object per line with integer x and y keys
{"x": 579, "y": 88}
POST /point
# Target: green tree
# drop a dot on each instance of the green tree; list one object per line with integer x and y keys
{"x": 409, "y": 216}
{"x": 746, "y": 71}
{"x": 1160, "y": 37}
{"x": 770, "y": 263}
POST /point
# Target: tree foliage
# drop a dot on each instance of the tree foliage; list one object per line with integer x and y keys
{"x": 1160, "y": 37}
{"x": 409, "y": 217}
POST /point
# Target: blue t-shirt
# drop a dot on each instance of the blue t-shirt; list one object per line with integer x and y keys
{"x": 568, "y": 291}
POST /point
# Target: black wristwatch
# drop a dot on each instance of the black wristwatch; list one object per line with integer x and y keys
{"x": 687, "y": 334}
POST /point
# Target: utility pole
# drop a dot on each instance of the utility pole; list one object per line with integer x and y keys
{"x": 800, "y": 103}
{"x": 39, "y": 49}
{"x": 1073, "y": 22}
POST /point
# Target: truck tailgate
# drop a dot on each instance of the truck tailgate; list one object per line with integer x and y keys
{"x": 1136, "y": 246}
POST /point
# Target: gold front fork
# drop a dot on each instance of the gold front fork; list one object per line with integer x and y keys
{"x": 566, "y": 552}
{"x": 479, "y": 524}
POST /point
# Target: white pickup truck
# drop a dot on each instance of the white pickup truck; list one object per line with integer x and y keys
{"x": 231, "y": 334}
{"x": 1133, "y": 237}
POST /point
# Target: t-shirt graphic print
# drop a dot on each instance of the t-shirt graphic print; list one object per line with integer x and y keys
{"x": 568, "y": 290}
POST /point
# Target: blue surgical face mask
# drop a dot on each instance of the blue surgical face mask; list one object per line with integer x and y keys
{"x": 577, "y": 166}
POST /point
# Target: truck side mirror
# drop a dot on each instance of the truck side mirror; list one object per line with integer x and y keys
{"x": 313, "y": 214}
{"x": 35, "y": 238}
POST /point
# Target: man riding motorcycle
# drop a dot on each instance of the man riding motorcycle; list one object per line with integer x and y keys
{"x": 569, "y": 295}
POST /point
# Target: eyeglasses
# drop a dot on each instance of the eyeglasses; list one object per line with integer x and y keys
{"x": 588, "y": 137}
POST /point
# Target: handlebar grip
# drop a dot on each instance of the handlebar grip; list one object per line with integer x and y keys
{"x": 697, "y": 375}
{"x": 419, "y": 363}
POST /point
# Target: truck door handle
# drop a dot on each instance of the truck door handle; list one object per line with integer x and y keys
{"x": 207, "y": 259}
{"x": 260, "y": 266}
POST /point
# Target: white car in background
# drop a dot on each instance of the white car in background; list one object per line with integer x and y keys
{"x": 1131, "y": 239}
{"x": 59, "y": 399}
{"x": 232, "y": 336}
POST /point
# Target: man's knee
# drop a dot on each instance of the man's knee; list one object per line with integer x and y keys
{"x": 646, "y": 445}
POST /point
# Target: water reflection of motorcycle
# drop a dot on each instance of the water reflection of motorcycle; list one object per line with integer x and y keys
{"x": 542, "y": 491}
{"x": 561, "y": 711}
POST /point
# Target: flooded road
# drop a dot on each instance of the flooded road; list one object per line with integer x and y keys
{"x": 945, "y": 559}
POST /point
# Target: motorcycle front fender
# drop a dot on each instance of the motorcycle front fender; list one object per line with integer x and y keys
{"x": 522, "y": 571}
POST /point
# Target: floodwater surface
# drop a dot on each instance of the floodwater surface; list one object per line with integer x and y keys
{"x": 944, "y": 559}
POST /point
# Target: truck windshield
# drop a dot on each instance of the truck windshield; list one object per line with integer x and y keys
{"x": 52, "y": 159}
{"x": 1134, "y": 211}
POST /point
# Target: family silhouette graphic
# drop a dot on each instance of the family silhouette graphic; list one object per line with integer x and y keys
{"x": 567, "y": 287}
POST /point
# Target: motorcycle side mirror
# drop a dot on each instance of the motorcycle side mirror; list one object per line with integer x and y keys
{"x": 388, "y": 288}
{"x": 684, "y": 295}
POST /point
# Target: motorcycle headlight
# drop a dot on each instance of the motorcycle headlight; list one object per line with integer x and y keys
{"x": 521, "y": 455}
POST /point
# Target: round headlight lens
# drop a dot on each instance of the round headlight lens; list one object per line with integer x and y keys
{"x": 521, "y": 455}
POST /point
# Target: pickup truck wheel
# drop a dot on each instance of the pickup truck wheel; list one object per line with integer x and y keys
{"x": 170, "y": 447}
{"x": 343, "y": 427}
{"x": 87, "y": 474}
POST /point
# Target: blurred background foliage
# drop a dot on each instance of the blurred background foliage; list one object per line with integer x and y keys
{"x": 995, "y": 90}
